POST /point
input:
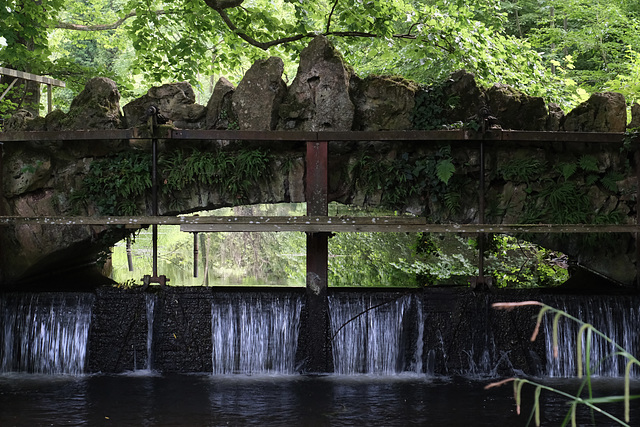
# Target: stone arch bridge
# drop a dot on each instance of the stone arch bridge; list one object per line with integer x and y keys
{"x": 508, "y": 159}
{"x": 500, "y": 182}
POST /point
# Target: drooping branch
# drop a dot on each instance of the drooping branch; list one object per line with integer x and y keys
{"x": 103, "y": 27}
{"x": 251, "y": 40}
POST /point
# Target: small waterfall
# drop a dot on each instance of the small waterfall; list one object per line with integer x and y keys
{"x": 618, "y": 318}
{"x": 370, "y": 334}
{"x": 255, "y": 333}
{"x": 150, "y": 302}
{"x": 44, "y": 333}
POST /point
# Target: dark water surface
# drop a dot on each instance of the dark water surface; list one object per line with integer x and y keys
{"x": 141, "y": 399}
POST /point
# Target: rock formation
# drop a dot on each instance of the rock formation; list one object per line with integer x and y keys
{"x": 48, "y": 178}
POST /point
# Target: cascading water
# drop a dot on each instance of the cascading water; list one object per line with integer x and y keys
{"x": 150, "y": 303}
{"x": 616, "y": 317}
{"x": 370, "y": 333}
{"x": 255, "y": 334}
{"x": 44, "y": 333}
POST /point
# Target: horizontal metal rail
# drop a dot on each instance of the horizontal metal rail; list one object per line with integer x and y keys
{"x": 315, "y": 224}
{"x": 408, "y": 136}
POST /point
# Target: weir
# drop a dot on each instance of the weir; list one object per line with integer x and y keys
{"x": 44, "y": 333}
{"x": 442, "y": 332}
{"x": 254, "y": 334}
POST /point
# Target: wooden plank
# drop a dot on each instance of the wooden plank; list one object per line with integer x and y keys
{"x": 32, "y": 77}
{"x": 316, "y": 224}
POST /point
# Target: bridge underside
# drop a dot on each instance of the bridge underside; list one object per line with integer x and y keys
{"x": 44, "y": 230}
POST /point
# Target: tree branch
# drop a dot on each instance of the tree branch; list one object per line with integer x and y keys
{"x": 330, "y": 15}
{"x": 254, "y": 42}
{"x": 103, "y": 27}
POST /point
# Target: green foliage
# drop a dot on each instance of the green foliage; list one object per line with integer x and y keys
{"x": 431, "y": 108}
{"x": 369, "y": 259}
{"x": 233, "y": 174}
{"x": 114, "y": 183}
{"x": 515, "y": 263}
{"x": 628, "y": 81}
{"x": 559, "y": 193}
{"x": 523, "y": 169}
{"x": 402, "y": 178}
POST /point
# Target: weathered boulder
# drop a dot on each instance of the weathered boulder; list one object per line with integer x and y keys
{"x": 219, "y": 106}
{"x": 556, "y": 115}
{"x": 318, "y": 98}
{"x": 461, "y": 95}
{"x": 383, "y": 103}
{"x": 96, "y": 107}
{"x": 175, "y": 101}
{"x": 29, "y": 170}
{"x": 515, "y": 110}
{"x": 257, "y": 99}
{"x": 19, "y": 121}
{"x": 602, "y": 112}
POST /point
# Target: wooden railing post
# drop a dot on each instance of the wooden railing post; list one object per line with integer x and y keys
{"x": 318, "y": 351}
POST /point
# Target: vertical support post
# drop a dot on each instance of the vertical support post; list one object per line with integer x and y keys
{"x": 129, "y": 256}
{"x": 637, "y": 235}
{"x": 318, "y": 348}
{"x": 480, "y": 281}
{"x": 49, "y": 98}
{"x": 153, "y": 122}
{"x": 1, "y": 213}
{"x": 481, "y": 220}
{"x": 154, "y": 195}
{"x": 195, "y": 254}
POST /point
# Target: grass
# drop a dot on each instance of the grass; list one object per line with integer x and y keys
{"x": 584, "y": 371}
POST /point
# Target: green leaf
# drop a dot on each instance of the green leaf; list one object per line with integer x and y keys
{"x": 445, "y": 170}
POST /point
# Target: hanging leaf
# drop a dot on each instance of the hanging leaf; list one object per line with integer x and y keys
{"x": 445, "y": 169}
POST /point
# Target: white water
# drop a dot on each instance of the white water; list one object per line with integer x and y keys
{"x": 44, "y": 333}
{"x": 150, "y": 303}
{"x": 255, "y": 334}
{"x": 368, "y": 334}
{"x": 618, "y": 318}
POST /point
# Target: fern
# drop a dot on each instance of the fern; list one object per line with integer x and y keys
{"x": 567, "y": 169}
{"x": 610, "y": 181}
{"x": 522, "y": 170}
{"x": 452, "y": 201}
{"x": 445, "y": 169}
{"x": 588, "y": 163}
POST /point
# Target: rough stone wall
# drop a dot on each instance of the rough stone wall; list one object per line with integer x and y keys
{"x": 44, "y": 179}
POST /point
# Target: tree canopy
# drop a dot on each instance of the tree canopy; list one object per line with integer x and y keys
{"x": 560, "y": 50}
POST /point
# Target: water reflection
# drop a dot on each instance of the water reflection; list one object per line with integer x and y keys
{"x": 205, "y": 400}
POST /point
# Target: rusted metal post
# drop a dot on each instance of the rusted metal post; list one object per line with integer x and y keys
{"x": 153, "y": 123}
{"x": 1, "y": 214}
{"x": 318, "y": 351}
{"x": 481, "y": 220}
{"x": 637, "y": 235}
{"x": 480, "y": 281}
{"x": 154, "y": 195}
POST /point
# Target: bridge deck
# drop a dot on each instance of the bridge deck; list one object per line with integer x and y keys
{"x": 314, "y": 224}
